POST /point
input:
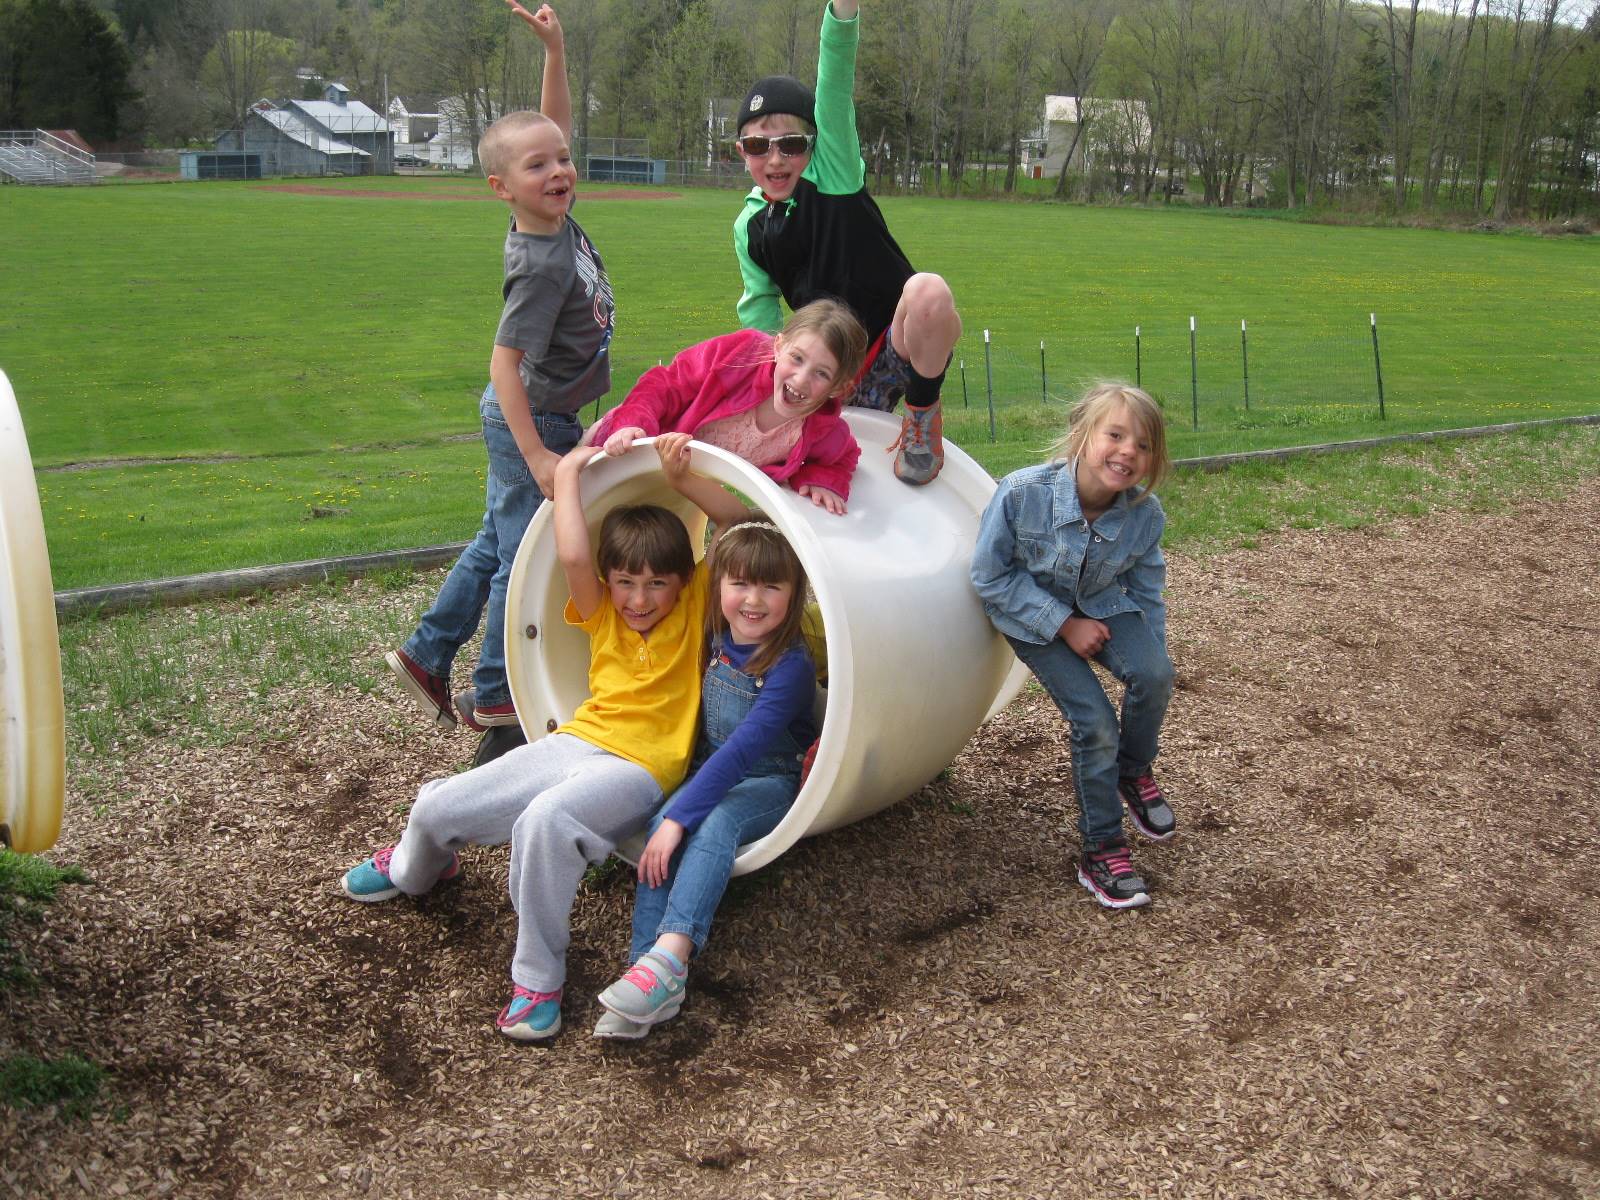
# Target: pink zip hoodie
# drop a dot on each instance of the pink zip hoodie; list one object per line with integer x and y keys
{"x": 724, "y": 376}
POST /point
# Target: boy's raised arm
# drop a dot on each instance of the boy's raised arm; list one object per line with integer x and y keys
{"x": 555, "y": 98}
{"x": 572, "y": 534}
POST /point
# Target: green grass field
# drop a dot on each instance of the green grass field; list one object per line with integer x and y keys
{"x": 313, "y": 361}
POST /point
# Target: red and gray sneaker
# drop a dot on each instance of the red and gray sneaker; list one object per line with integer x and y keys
{"x": 431, "y": 692}
{"x": 1107, "y": 871}
{"x": 483, "y": 716}
{"x": 919, "y": 450}
{"x": 1152, "y": 815}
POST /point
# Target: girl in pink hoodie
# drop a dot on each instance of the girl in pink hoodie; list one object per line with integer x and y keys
{"x": 773, "y": 401}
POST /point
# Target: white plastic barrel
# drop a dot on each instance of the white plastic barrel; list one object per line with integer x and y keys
{"x": 914, "y": 665}
{"x": 32, "y": 719}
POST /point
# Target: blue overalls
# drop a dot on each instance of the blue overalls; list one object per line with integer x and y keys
{"x": 687, "y": 901}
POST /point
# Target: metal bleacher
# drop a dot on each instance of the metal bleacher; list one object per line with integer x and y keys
{"x": 34, "y": 156}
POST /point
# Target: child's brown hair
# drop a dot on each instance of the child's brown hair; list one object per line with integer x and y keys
{"x": 641, "y": 537}
{"x": 837, "y": 327}
{"x": 754, "y": 549}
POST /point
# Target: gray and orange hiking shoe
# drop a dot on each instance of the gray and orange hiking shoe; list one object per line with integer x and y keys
{"x": 431, "y": 692}
{"x": 1107, "y": 872}
{"x": 1147, "y": 805}
{"x": 919, "y": 450}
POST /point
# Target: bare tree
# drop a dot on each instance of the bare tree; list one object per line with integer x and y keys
{"x": 1303, "y": 43}
{"x": 1535, "y": 54}
{"x": 692, "y": 62}
{"x": 1020, "y": 60}
{"x": 1079, "y": 43}
{"x": 1159, "y": 31}
{"x": 1400, "y": 29}
{"x": 583, "y": 25}
{"x": 1222, "y": 112}
{"x": 965, "y": 96}
{"x": 1443, "y": 129}
{"x": 247, "y": 60}
{"x": 788, "y": 42}
{"x": 891, "y": 85}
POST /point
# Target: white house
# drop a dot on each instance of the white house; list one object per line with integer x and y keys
{"x": 1105, "y": 123}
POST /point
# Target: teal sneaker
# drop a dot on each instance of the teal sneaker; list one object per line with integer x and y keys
{"x": 370, "y": 881}
{"x": 531, "y": 1016}
{"x": 650, "y": 991}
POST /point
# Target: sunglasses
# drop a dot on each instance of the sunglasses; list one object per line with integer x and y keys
{"x": 790, "y": 145}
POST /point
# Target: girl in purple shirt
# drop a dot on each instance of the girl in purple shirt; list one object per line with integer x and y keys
{"x": 756, "y": 722}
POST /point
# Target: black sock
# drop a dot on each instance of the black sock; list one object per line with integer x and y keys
{"x": 922, "y": 391}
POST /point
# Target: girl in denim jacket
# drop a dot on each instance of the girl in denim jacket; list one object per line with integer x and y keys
{"x": 755, "y": 724}
{"x": 1069, "y": 567}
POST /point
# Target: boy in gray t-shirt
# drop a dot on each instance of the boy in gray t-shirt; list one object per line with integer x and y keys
{"x": 550, "y": 358}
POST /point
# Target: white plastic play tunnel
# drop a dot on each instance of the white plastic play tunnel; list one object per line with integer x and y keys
{"x": 32, "y": 720}
{"x": 914, "y": 667}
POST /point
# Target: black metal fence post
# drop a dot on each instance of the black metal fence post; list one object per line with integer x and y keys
{"x": 1244, "y": 353}
{"x": 1194, "y": 380}
{"x": 1377, "y": 365}
{"x": 1138, "y": 360}
{"x": 963, "y": 369}
{"x": 988, "y": 374}
{"x": 1044, "y": 390}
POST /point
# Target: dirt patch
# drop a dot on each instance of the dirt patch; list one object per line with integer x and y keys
{"x": 309, "y": 189}
{"x": 1370, "y": 970}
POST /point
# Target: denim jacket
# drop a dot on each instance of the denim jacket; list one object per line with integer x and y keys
{"x": 1038, "y": 561}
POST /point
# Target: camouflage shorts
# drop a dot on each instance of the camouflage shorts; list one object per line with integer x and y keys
{"x": 884, "y": 383}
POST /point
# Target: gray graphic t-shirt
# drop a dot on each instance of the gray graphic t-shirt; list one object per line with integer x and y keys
{"x": 559, "y": 313}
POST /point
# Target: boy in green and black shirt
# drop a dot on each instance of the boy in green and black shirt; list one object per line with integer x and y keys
{"x": 809, "y": 229}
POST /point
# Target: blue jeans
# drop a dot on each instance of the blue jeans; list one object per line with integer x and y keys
{"x": 478, "y": 580}
{"x": 687, "y": 901}
{"x": 1102, "y": 749}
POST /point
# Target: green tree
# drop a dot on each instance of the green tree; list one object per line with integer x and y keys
{"x": 62, "y": 66}
{"x": 693, "y": 62}
{"x": 247, "y": 64}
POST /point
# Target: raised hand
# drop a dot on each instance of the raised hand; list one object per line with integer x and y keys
{"x": 544, "y": 23}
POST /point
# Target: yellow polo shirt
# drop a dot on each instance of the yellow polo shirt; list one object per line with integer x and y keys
{"x": 644, "y": 692}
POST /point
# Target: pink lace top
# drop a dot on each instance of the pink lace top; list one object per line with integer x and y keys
{"x": 738, "y": 433}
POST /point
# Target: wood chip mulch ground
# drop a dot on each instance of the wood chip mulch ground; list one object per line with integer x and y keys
{"x": 1371, "y": 970}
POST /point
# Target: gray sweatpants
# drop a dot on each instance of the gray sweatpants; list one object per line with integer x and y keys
{"x": 561, "y": 803}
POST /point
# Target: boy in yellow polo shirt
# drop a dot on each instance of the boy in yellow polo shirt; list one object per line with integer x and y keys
{"x": 565, "y": 801}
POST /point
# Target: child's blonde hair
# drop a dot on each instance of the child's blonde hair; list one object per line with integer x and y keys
{"x": 640, "y": 537}
{"x": 495, "y": 146}
{"x": 1097, "y": 405}
{"x": 836, "y": 326}
{"x": 753, "y": 549}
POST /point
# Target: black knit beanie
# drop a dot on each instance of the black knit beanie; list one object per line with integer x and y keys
{"x": 778, "y": 94}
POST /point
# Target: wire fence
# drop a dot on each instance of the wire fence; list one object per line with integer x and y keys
{"x": 1205, "y": 374}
